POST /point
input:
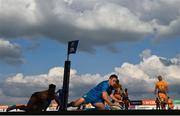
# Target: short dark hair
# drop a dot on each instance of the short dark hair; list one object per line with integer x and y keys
{"x": 113, "y": 76}
{"x": 52, "y": 86}
{"x": 117, "y": 81}
{"x": 159, "y": 77}
{"x": 125, "y": 89}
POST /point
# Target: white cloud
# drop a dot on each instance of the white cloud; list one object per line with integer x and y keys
{"x": 138, "y": 78}
{"x": 10, "y": 100}
{"x": 25, "y": 85}
{"x": 10, "y": 53}
{"x": 145, "y": 54}
{"x": 112, "y": 16}
{"x": 94, "y": 22}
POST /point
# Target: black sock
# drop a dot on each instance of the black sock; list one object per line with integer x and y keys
{"x": 70, "y": 104}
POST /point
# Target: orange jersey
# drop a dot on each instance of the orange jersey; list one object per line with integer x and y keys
{"x": 161, "y": 86}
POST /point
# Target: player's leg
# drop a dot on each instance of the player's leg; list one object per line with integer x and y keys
{"x": 77, "y": 102}
{"x": 99, "y": 106}
{"x": 21, "y": 107}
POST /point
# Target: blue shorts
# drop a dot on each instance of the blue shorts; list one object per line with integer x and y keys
{"x": 88, "y": 99}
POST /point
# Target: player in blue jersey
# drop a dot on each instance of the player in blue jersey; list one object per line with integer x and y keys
{"x": 99, "y": 94}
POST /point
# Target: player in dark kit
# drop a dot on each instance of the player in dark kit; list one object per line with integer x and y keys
{"x": 39, "y": 101}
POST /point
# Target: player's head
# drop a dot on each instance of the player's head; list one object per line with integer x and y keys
{"x": 159, "y": 78}
{"x": 52, "y": 88}
{"x": 125, "y": 89}
{"x": 113, "y": 79}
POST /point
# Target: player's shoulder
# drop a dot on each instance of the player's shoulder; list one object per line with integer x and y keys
{"x": 157, "y": 82}
{"x": 104, "y": 82}
{"x": 43, "y": 92}
{"x": 165, "y": 82}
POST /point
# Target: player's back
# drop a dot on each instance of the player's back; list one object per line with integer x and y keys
{"x": 96, "y": 92}
{"x": 161, "y": 86}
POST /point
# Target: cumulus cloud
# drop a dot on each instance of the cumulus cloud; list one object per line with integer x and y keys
{"x": 141, "y": 77}
{"x": 145, "y": 54}
{"x": 25, "y": 85}
{"x": 10, "y": 53}
{"x": 138, "y": 78}
{"x": 10, "y": 100}
{"x": 93, "y": 22}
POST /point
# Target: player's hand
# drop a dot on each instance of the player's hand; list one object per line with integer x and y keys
{"x": 115, "y": 104}
{"x": 120, "y": 101}
{"x": 115, "y": 107}
{"x": 57, "y": 107}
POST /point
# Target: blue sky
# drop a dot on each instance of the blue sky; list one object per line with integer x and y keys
{"x": 112, "y": 35}
{"x": 51, "y": 53}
